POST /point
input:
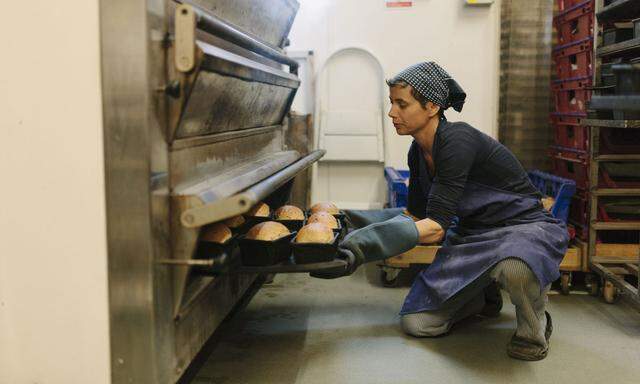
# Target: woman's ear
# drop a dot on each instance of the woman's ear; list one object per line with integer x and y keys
{"x": 432, "y": 109}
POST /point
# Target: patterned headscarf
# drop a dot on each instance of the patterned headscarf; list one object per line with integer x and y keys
{"x": 435, "y": 84}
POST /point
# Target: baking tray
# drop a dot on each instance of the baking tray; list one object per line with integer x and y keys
{"x": 262, "y": 253}
{"x": 340, "y": 215}
{"x": 208, "y": 250}
{"x": 290, "y": 267}
{"x": 293, "y": 225}
{"x": 221, "y": 256}
{"x": 250, "y": 221}
{"x": 309, "y": 253}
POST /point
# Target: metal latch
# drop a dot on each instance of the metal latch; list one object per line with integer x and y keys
{"x": 185, "y": 38}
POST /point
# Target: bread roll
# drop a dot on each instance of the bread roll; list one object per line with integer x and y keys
{"x": 234, "y": 222}
{"x": 315, "y": 233}
{"x": 289, "y": 212}
{"x": 259, "y": 210}
{"x": 325, "y": 207}
{"x": 324, "y": 218}
{"x": 267, "y": 231}
{"x": 548, "y": 202}
{"x": 215, "y": 233}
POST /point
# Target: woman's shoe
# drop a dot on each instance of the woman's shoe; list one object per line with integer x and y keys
{"x": 524, "y": 349}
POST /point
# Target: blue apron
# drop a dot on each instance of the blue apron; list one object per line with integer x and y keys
{"x": 492, "y": 225}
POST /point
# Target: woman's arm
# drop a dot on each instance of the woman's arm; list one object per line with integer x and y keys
{"x": 416, "y": 201}
{"x": 454, "y": 159}
{"x": 429, "y": 232}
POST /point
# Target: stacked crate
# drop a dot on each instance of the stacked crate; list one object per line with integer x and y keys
{"x": 525, "y": 57}
{"x": 573, "y": 57}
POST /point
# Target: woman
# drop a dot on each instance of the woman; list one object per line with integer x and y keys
{"x": 468, "y": 186}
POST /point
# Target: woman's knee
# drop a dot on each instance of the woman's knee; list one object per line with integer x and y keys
{"x": 423, "y": 324}
{"x": 518, "y": 280}
{"x": 515, "y": 274}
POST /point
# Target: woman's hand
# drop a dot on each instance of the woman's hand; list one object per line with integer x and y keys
{"x": 429, "y": 232}
{"x": 407, "y": 213}
{"x": 375, "y": 242}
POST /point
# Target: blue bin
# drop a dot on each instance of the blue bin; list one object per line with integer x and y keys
{"x": 397, "y": 189}
{"x": 562, "y": 190}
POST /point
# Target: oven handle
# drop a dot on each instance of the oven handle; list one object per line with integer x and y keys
{"x": 243, "y": 201}
{"x": 220, "y": 28}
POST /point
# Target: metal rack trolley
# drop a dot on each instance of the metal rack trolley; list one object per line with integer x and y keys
{"x": 613, "y": 261}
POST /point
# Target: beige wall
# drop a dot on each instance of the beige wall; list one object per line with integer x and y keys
{"x": 53, "y": 279}
{"x": 464, "y": 40}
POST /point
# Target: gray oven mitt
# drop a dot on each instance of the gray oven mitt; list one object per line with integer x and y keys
{"x": 356, "y": 219}
{"x": 374, "y": 242}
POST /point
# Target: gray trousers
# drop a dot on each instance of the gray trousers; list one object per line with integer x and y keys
{"x": 515, "y": 277}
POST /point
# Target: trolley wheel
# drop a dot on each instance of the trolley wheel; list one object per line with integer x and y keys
{"x": 565, "y": 282}
{"x": 593, "y": 285}
{"x": 389, "y": 276}
{"x": 609, "y": 292}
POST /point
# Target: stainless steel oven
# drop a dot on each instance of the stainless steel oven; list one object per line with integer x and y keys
{"x": 195, "y": 98}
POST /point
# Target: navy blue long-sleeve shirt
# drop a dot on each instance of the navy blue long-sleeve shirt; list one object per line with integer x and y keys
{"x": 460, "y": 154}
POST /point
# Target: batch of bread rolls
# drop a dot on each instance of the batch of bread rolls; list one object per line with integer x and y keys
{"x": 319, "y": 228}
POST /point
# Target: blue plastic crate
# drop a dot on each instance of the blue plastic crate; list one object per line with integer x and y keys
{"x": 561, "y": 189}
{"x": 397, "y": 189}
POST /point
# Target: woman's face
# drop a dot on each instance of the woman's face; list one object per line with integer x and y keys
{"x": 408, "y": 115}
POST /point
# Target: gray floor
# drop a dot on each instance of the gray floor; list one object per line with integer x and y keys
{"x": 304, "y": 330}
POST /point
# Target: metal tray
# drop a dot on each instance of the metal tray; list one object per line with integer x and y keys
{"x": 261, "y": 253}
{"x": 290, "y": 267}
{"x": 310, "y": 253}
{"x": 293, "y": 225}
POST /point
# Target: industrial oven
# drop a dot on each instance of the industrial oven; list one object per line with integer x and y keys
{"x": 195, "y": 98}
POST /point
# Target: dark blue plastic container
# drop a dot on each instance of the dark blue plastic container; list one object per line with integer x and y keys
{"x": 561, "y": 189}
{"x": 398, "y": 191}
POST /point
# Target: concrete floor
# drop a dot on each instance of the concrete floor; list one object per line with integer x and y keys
{"x": 304, "y": 330}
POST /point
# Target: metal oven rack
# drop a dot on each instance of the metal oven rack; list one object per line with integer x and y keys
{"x": 196, "y": 96}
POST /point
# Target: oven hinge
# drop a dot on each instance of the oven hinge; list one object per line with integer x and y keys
{"x": 185, "y": 38}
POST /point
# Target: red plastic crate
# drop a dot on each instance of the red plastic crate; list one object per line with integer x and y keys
{"x": 567, "y": 119}
{"x": 564, "y": 5}
{"x": 579, "y": 209}
{"x": 572, "y": 95}
{"x": 572, "y": 100}
{"x": 571, "y": 164}
{"x": 574, "y": 60}
{"x": 572, "y": 83}
{"x": 575, "y": 24}
{"x": 574, "y": 164}
{"x": 572, "y": 136}
{"x": 581, "y": 231}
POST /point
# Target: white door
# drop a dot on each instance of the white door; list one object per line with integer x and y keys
{"x": 349, "y": 126}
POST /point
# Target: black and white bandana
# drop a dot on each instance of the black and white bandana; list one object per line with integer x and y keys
{"x": 435, "y": 84}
